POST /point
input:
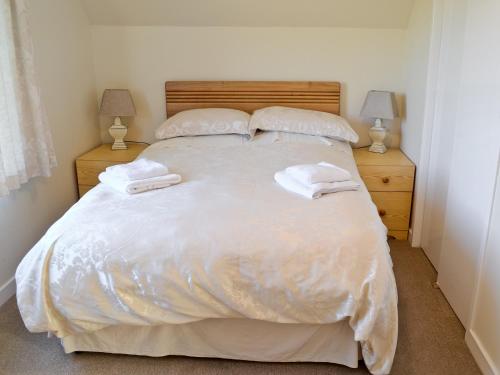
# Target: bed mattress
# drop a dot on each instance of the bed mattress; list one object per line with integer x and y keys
{"x": 228, "y": 242}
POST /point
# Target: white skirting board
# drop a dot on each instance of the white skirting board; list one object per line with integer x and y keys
{"x": 7, "y": 290}
{"x": 480, "y": 355}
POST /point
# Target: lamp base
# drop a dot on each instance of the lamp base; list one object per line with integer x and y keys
{"x": 118, "y": 132}
{"x": 377, "y": 134}
{"x": 378, "y": 148}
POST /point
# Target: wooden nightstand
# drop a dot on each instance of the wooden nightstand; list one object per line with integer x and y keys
{"x": 89, "y": 165}
{"x": 389, "y": 178}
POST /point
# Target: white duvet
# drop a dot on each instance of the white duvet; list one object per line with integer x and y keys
{"x": 227, "y": 242}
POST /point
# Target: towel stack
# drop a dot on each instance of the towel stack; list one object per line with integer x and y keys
{"x": 314, "y": 180}
{"x": 138, "y": 176}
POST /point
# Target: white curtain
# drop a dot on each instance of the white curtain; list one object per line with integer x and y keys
{"x": 26, "y": 148}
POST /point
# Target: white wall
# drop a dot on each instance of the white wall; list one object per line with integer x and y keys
{"x": 63, "y": 62}
{"x": 438, "y": 152}
{"x": 143, "y": 58}
{"x": 420, "y": 51}
{"x": 380, "y": 14}
{"x": 416, "y": 64}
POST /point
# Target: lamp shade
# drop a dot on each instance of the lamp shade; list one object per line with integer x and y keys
{"x": 117, "y": 102}
{"x": 380, "y": 104}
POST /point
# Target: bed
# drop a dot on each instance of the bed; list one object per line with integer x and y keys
{"x": 225, "y": 264}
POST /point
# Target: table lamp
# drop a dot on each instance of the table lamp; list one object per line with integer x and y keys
{"x": 116, "y": 103}
{"x": 379, "y": 105}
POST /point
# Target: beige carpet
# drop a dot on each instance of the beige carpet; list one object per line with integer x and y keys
{"x": 431, "y": 340}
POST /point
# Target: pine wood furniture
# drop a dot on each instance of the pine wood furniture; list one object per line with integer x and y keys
{"x": 89, "y": 165}
{"x": 389, "y": 178}
{"x": 251, "y": 95}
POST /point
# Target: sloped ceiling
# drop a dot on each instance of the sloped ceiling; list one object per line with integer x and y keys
{"x": 287, "y": 13}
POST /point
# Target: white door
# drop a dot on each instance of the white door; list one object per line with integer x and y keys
{"x": 449, "y": 40}
{"x": 476, "y": 141}
{"x": 485, "y": 325}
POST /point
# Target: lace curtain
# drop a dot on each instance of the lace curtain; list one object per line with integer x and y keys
{"x": 26, "y": 148}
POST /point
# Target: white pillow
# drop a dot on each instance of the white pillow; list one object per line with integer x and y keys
{"x": 304, "y": 121}
{"x": 205, "y": 121}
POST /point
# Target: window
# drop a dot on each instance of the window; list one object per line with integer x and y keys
{"x": 26, "y": 147}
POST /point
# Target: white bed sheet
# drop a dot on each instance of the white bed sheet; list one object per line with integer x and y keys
{"x": 199, "y": 141}
{"x": 260, "y": 138}
{"x": 245, "y": 339}
{"x": 270, "y": 137}
{"x": 226, "y": 243}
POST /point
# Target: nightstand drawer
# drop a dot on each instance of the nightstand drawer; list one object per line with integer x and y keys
{"x": 88, "y": 170}
{"x": 387, "y": 178}
{"x": 394, "y": 208}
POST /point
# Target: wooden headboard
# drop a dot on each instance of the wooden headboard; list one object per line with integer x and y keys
{"x": 251, "y": 95}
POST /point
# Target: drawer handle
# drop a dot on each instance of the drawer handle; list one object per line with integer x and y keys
{"x": 381, "y": 213}
{"x": 386, "y": 180}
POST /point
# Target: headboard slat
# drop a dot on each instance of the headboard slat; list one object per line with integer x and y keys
{"x": 251, "y": 95}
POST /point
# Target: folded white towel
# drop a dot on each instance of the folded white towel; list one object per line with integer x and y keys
{"x": 139, "y": 169}
{"x": 316, "y": 173}
{"x": 139, "y": 186}
{"x": 313, "y": 191}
